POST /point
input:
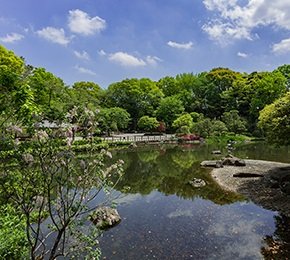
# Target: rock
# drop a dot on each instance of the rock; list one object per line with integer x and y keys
{"x": 247, "y": 175}
{"x": 270, "y": 183}
{"x": 233, "y": 161}
{"x": 213, "y": 164}
{"x": 197, "y": 183}
{"x": 105, "y": 217}
{"x": 132, "y": 145}
{"x": 216, "y": 152}
{"x": 285, "y": 187}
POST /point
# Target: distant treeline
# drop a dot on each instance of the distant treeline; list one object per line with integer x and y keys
{"x": 208, "y": 103}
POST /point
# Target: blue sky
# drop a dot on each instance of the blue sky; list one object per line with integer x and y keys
{"x": 109, "y": 40}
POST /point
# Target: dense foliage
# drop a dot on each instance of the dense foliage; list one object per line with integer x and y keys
{"x": 29, "y": 95}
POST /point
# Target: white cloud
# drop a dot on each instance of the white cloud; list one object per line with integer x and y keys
{"x": 11, "y": 38}
{"x": 85, "y": 71}
{"x": 242, "y": 54}
{"x": 54, "y": 35}
{"x": 82, "y": 55}
{"x": 102, "y": 53}
{"x": 80, "y": 22}
{"x": 282, "y": 47}
{"x": 236, "y": 19}
{"x": 185, "y": 46}
{"x": 152, "y": 60}
{"x": 126, "y": 60}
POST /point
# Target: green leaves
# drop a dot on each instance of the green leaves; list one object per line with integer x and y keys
{"x": 13, "y": 243}
{"x": 137, "y": 97}
{"x": 274, "y": 120}
{"x": 169, "y": 109}
{"x": 148, "y": 123}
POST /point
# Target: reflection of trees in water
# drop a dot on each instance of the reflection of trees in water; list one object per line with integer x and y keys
{"x": 278, "y": 245}
{"x": 183, "y": 159}
{"x": 148, "y": 156}
{"x": 169, "y": 172}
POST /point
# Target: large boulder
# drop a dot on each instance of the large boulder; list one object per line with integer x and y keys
{"x": 213, "y": 164}
{"x": 280, "y": 178}
{"x": 231, "y": 160}
{"x": 105, "y": 217}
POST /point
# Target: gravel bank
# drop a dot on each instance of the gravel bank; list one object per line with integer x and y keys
{"x": 256, "y": 189}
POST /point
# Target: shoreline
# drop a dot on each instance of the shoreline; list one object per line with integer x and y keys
{"x": 257, "y": 189}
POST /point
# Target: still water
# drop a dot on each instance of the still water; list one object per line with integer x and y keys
{"x": 163, "y": 217}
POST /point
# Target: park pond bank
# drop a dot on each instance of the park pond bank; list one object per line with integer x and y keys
{"x": 164, "y": 217}
{"x": 269, "y": 186}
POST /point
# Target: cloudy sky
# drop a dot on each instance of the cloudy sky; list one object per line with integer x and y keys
{"x": 109, "y": 40}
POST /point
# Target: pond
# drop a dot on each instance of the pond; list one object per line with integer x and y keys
{"x": 163, "y": 217}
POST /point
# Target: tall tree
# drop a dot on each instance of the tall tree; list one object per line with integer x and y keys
{"x": 220, "y": 80}
{"x": 285, "y": 70}
{"x": 113, "y": 119}
{"x": 138, "y": 96}
{"x": 16, "y": 97}
{"x": 274, "y": 120}
{"x": 169, "y": 109}
{"x": 193, "y": 91}
{"x": 50, "y": 93}
{"x": 86, "y": 93}
{"x": 169, "y": 86}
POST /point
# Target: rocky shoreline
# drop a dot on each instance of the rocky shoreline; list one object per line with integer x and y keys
{"x": 265, "y": 183}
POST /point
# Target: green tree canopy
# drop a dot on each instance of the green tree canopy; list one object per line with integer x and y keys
{"x": 16, "y": 97}
{"x": 113, "y": 119}
{"x": 86, "y": 93}
{"x": 169, "y": 109}
{"x": 50, "y": 93}
{"x": 183, "y": 123}
{"x": 234, "y": 122}
{"x": 169, "y": 86}
{"x": 274, "y": 120}
{"x": 148, "y": 123}
{"x": 138, "y": 96}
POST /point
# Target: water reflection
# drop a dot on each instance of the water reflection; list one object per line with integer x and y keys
{"x": 169, "y": 171}
{"x": 165, "y": 218}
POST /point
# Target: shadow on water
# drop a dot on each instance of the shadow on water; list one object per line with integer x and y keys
{"x": 163, "y": 217}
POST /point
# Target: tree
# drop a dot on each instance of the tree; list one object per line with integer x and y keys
{"x": 285, "y": 70}
{"x": 84, "y": 119}
{"x": 55, "y": 191}
{"x": 220, "y": 80}
{"x": 183, "y": 123}
{"x": 218, "y": 128}
{"x": 113, "y": 119}
{"x": 206, "y": 127}
{"x": 275, "y": 122}
{"x": 148, "y": 123}
{"x": 138, "y": 97}
{"x": 234, "y": 122}
{"x": 192, "y": 91}
{"x": 169, "y": 109}
{"x": 86, "y": 94}
{"x": 16, "y": 97}
{"x": 169, "y": 86}
{"x": 50, "y": 94}
{"x": 203, "y": 127}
